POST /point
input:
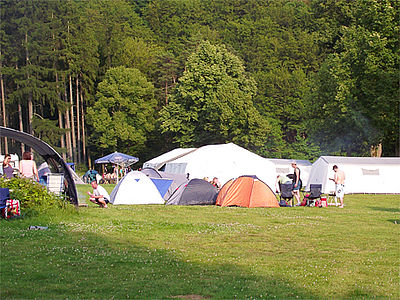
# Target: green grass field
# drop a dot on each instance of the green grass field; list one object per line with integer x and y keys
{"x": 162, "y": 252}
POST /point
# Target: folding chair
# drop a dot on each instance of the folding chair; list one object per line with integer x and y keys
{"x": 9, "y": 207}
{"x": 55, "y": 183}
{"x": 315, "y": 193}
{"x": 286, "y": 192}
{"x": 4, "y": 196}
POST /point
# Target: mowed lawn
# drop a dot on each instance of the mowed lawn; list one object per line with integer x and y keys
{"x": 161, "y": 252}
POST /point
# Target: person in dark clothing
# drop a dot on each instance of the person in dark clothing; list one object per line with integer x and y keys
{"x": 296, "y": 182}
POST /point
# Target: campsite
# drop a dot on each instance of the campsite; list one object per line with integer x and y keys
{"x": 199, "y": 149}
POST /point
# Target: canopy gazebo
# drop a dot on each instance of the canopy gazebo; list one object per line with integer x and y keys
{"x": 120, "y": 159}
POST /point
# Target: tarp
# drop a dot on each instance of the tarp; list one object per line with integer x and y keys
{"x": 48, "y": 154}
{"x": 43, "y": 170}
{"x": 135, "y": 188}
{"x": 195, "y": 192}
{"x": 225, "y": 161}
{"x": 283, "y": 167}
{"x": 367, "y": 175}
{"x": 247, "y": 191}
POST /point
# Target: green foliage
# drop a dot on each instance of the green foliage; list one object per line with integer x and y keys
{"x": 213, "y": 102}
{"x": 326, "y": 71}
{"x": 123, "y": 114}
{"x": 355, "y": 97}
{"x": 34, "y": 197}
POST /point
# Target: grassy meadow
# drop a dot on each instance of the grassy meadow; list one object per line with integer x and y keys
{"x": 175, "y": 252}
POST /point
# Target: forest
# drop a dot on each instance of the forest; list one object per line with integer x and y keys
{"x": 282, "y": 78}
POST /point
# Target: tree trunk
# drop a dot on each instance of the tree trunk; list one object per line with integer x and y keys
{"x": 62, "y": 141}
{"x": 3, "y": 108}
{"x": 30, "y": 103}
{"x": 60, "y": 120}
{"x": 21, "y": 124}
{"x": 68, "y": 127}
{"x": 83, "y": 130}
{"x": 72, "y": 121}
{"x": 78, "y": 121}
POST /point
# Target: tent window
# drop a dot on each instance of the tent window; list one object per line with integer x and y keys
{"x": 282, "y": 170}
{"x": 370, "y": 172}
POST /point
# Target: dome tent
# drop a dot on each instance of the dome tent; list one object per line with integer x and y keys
{"x": 135, "y": 188}
{"x": 161, "y": 178}
{"x": 247, "y": 191}
{"x": 195, "y": 192}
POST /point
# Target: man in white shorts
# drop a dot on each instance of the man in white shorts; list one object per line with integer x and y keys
{"x": 339, "y": 183}
{"x": 100, "y": 195}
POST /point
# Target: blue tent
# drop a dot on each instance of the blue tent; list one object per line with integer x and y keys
{"x": 117, "y": 158}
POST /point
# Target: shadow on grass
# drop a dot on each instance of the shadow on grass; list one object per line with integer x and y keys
{"x": 61, "y": 264}
{"x": 385, "y": 209}
{"x": 394, "y": 221}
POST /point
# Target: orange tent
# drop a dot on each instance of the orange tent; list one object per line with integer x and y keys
{"x": 247, "y": 191}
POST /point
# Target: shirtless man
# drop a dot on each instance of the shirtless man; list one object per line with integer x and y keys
{"x": 339, "y": 183}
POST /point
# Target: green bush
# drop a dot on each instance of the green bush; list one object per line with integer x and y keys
{"x": 34, "y": 197}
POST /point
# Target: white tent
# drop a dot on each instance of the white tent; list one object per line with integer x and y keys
{"x": 135, "y": 188}
{"x": 159, "y": 162}
{"x": 283, "y": 167}
{"x": 367, "y": 175}
{"x": 224, "y": 161}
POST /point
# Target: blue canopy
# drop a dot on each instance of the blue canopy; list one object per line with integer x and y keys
{"x": 117, "y": 158}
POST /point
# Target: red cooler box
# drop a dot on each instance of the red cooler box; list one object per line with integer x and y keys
{"x": 324, "y": 202}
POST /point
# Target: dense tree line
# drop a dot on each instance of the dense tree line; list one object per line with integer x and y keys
{"x": 287, "y": 78}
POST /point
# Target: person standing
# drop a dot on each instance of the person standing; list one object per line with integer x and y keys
{"x": 339, "y": 179}
{"x": 27, "y": 166}
{"x": 296, "y": 182}
{"x": 99, "y": 195}
{"x": 6, "y": 168}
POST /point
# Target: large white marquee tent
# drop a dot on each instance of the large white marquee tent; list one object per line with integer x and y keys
{"x": 283, "y": 167}
{"x": 224, "y": 161}
{"x": 367, "y": 175}
{"x": 159, "y": 162}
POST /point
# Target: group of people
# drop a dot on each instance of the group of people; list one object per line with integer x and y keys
{"x": 27, "y": 167}
{"x": 215, "y": 182}
{"x": 339, "y": 178}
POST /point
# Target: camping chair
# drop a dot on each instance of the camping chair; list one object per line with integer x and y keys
{"x": 4, "y": 196}
{"x": 9, "y": 207}
{"x": 55, "y": 183}
{"x": 286, "y": 192}
{"x": 315, "y": 193}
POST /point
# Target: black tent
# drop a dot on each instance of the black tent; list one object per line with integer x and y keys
{"x": 48, "y": 154}
{"x": 195, "y": 192}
